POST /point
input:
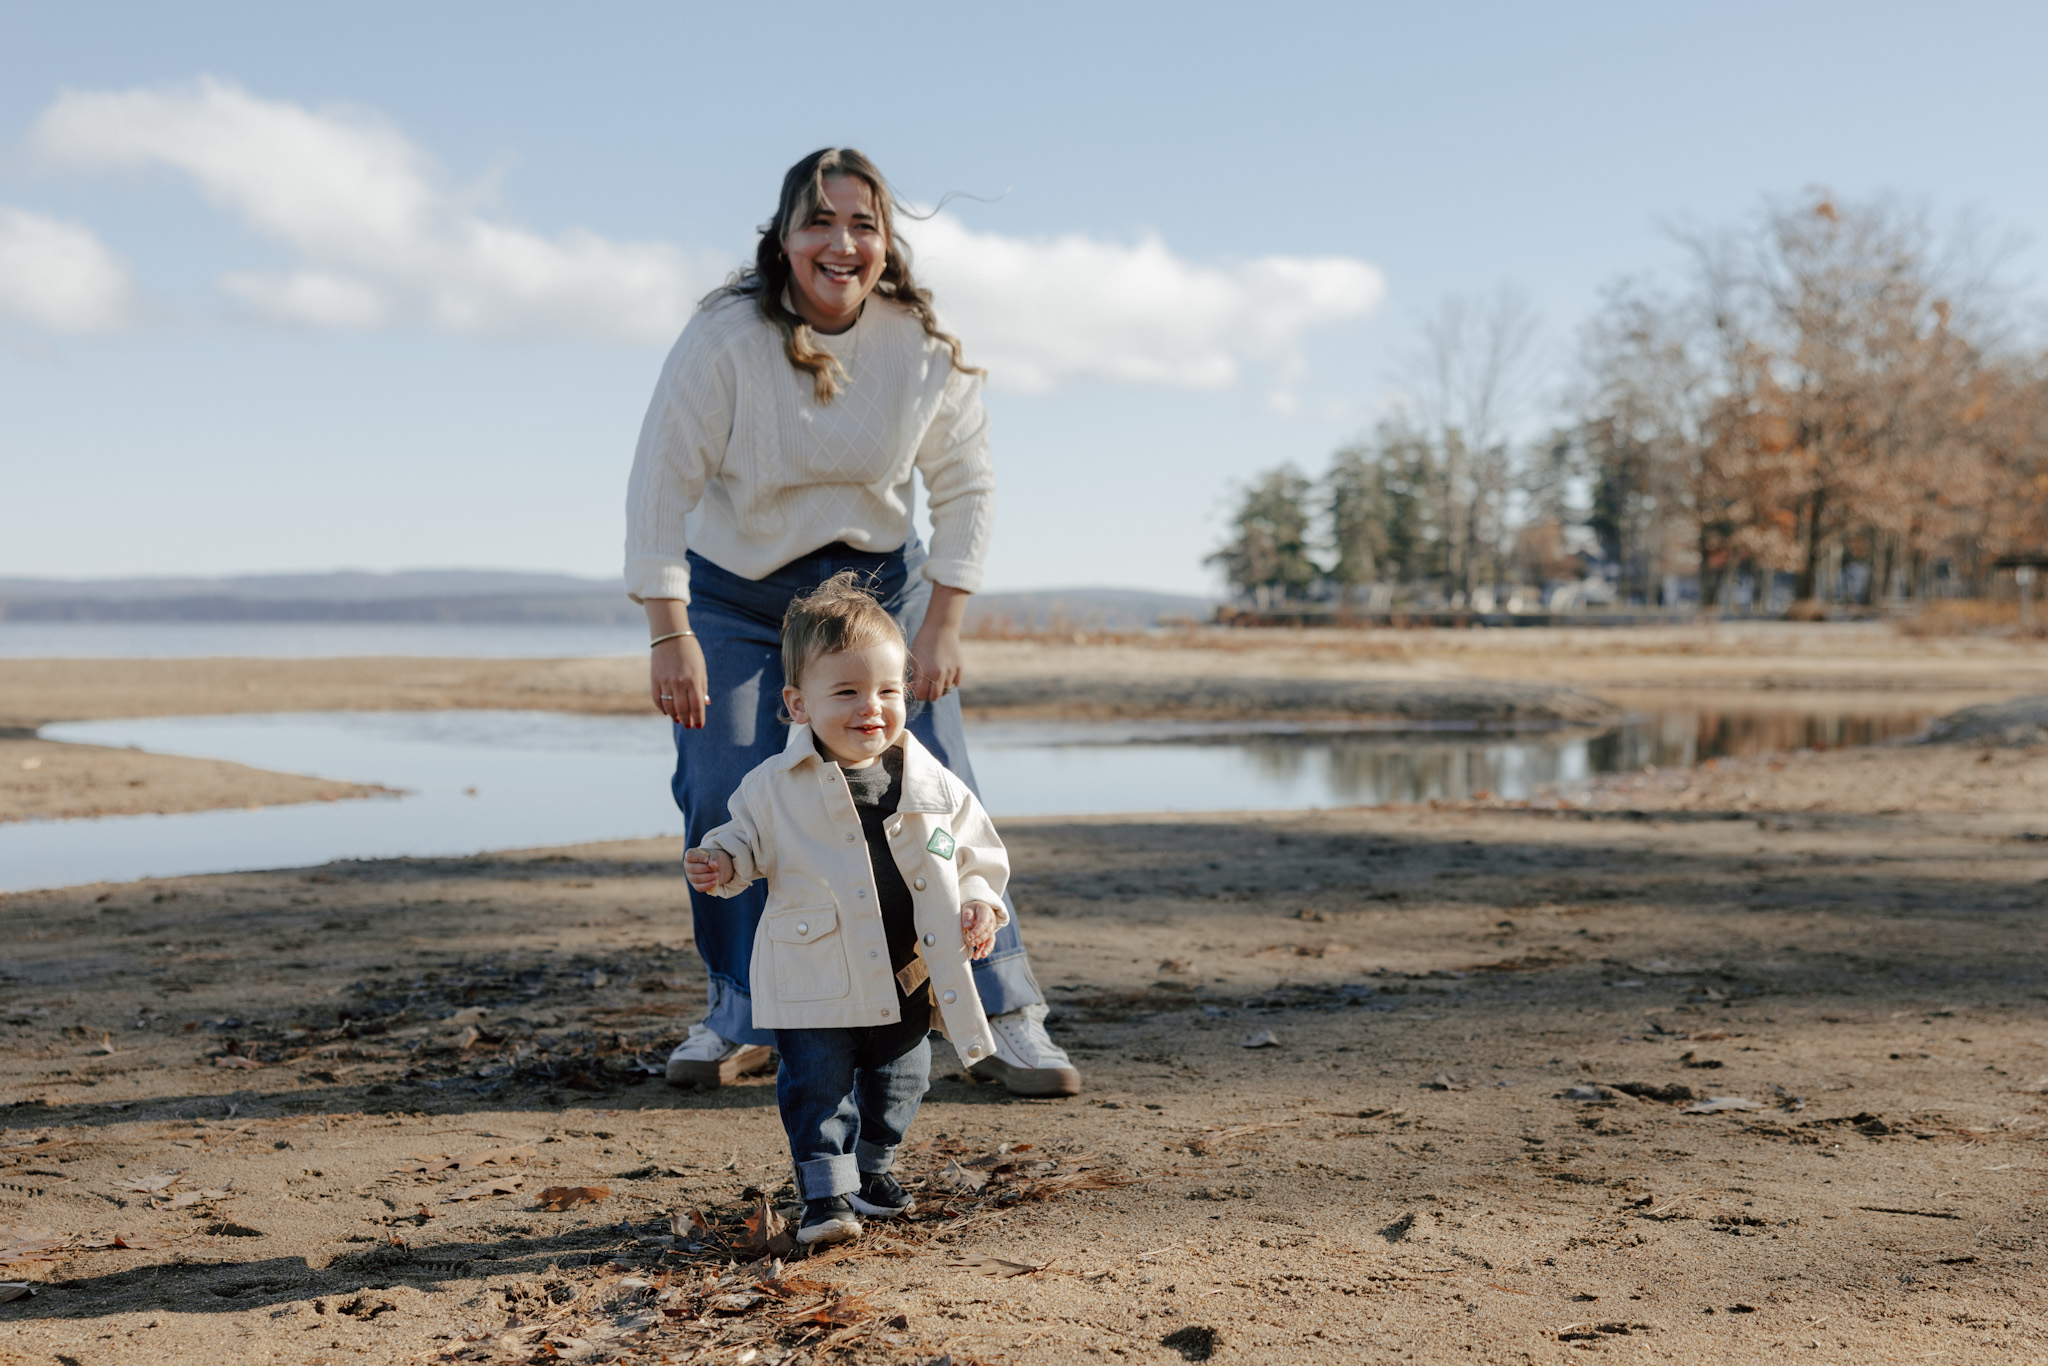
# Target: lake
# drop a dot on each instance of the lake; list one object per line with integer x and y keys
{"x": 483, "y": 780}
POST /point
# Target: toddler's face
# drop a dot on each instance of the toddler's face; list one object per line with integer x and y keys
{"x": 854, "y": 702}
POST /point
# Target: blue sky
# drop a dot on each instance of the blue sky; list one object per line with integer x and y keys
{"x": 387, "y": 286}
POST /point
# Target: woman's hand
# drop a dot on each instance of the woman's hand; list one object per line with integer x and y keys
{"x": 977, "y": 927}
{"x": 677, "y": 679}
{"x": 936, "y": 653}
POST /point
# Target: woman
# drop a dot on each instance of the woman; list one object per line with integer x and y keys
{"x": 778, "y": 451}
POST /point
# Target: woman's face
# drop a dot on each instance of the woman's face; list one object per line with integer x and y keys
{"x": 836, "y": 258}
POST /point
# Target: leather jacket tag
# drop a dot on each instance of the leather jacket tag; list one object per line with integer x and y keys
{"x": 913, "y": 976}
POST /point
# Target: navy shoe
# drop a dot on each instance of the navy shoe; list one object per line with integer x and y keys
{"x": 830, "y": 1220}
{"x": 881, "y": 1196}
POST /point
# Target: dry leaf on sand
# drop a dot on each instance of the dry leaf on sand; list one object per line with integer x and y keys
{"x": 995, "y": 1266}
{"x": 15, "y": 1290}
{"x": 954, "y": 1179}
{"x": 469, "y": 1162}
{"x": 1714, "y": 1105}
{"x": 1265, "y": 1038}
{"x": 236, "y": 1060}
{"x": 151, "y": 1185}
{"x": 31, "y": 1245}
{"x": 504, "y": 1185}
{"x": 187, "y": 1199}
{"x": 555, "y": 1199}
{"x": 768, "y": 1234}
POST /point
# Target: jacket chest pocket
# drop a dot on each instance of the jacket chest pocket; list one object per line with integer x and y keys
{"x": 805, "y": 953}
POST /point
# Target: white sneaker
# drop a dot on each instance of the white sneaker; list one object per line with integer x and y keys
{"x": 1027, "y": 1061}
{"x": 710, "y": 1060}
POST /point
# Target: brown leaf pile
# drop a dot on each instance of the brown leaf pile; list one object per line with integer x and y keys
{"x": 19, "y": 1245}
{"x": 469, "y": 1162}
{"x": 555, "y": 1199}
{"x": 504, "y": 1185}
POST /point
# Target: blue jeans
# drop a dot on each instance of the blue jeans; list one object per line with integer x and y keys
{"x": 847, "y": 1097}
{"x": 739, "y": 625}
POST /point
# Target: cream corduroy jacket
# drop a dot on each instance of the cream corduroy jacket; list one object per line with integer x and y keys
{"x": 821, "y": 957}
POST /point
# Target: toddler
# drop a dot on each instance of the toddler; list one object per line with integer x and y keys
{"x": 885, "y": 878}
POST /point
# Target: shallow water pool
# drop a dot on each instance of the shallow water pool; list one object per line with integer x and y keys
{"x": 482, "y": 780}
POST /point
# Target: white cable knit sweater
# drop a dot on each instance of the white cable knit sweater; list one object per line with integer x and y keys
{"x": 738, "y": 462}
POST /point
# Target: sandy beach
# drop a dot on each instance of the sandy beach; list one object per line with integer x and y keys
{"x": 1712, "y": 1065}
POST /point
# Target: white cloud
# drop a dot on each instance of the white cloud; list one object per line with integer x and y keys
{"x": 60, "y": 276}
{"x": 383, "y": 239}
{"x": 1039, "y": 311}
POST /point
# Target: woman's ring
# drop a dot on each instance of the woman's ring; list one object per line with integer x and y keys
{"x": 668, "y": 697}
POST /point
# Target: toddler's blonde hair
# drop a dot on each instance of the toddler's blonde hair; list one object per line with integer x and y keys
{"x": 836, "y": 616}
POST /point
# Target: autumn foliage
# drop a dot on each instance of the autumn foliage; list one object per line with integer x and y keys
{"x": 1832, "y": 394}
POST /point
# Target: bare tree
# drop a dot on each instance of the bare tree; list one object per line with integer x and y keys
{"x": 1475, "y": 376}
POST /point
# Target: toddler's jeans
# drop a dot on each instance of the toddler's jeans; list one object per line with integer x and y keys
{"x": 848, "y": 1096}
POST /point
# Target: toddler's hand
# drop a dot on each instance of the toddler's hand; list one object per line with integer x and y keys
{"x": 978, "y": 928}
{"x": 707, "y": 869}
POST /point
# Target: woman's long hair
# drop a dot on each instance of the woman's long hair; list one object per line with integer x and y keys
{"x": 766, "y": 281}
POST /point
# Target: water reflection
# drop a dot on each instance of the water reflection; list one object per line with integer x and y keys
{"x": 1047, "y": 769}
{"x": 505, "y": 780}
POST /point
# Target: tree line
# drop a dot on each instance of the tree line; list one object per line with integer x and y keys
{"x": 1832, "y": 397}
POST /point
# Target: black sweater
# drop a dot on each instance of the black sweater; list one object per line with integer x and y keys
{"x": 876, "y": 790}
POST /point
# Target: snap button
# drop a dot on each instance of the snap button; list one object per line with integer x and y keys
{"x": 931, "y": 939}
{"x": 802, "y": 927}
{"x": 874, "y": 953}
{"x": 886, "y": 1012}
{"x": 850, "y": 837}
{"x": 949, "y": 998}
{"x": 919, "y": 884}
{"x": 896, "y": 829}
{"x": 862, "y": 893}
{"x": 974, "y": 1050}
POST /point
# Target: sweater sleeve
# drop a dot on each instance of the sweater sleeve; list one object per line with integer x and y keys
{"x": 682, "y": 444}
{"x": 960, "y": 481}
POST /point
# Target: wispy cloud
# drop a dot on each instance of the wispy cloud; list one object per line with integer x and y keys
{"x": 60, "y": 276}
{"x": 384, "y": 239}
{"x": 1042, "y": 310}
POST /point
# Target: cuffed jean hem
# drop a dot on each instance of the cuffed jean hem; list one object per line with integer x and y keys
{"x": 873, "y": 1159}
{"x": 1005, "y": 982}
{"x": 821, "y": 1178}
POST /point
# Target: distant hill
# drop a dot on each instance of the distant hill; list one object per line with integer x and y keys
{"x": 1086, "y": 609}
{"x": 443, "y": 595}
{"x": 497, "y": 596}
{"x": 341, "y": 586}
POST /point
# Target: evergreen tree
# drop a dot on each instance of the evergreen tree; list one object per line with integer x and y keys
{"x": 1269, "y": 545}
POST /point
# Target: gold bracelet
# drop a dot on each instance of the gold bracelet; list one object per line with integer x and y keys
{"x": 672, "y": 635}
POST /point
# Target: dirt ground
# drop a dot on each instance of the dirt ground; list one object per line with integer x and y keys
{"x": 1467, "y": 1140}
{"x": 1433, "y": 1083}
